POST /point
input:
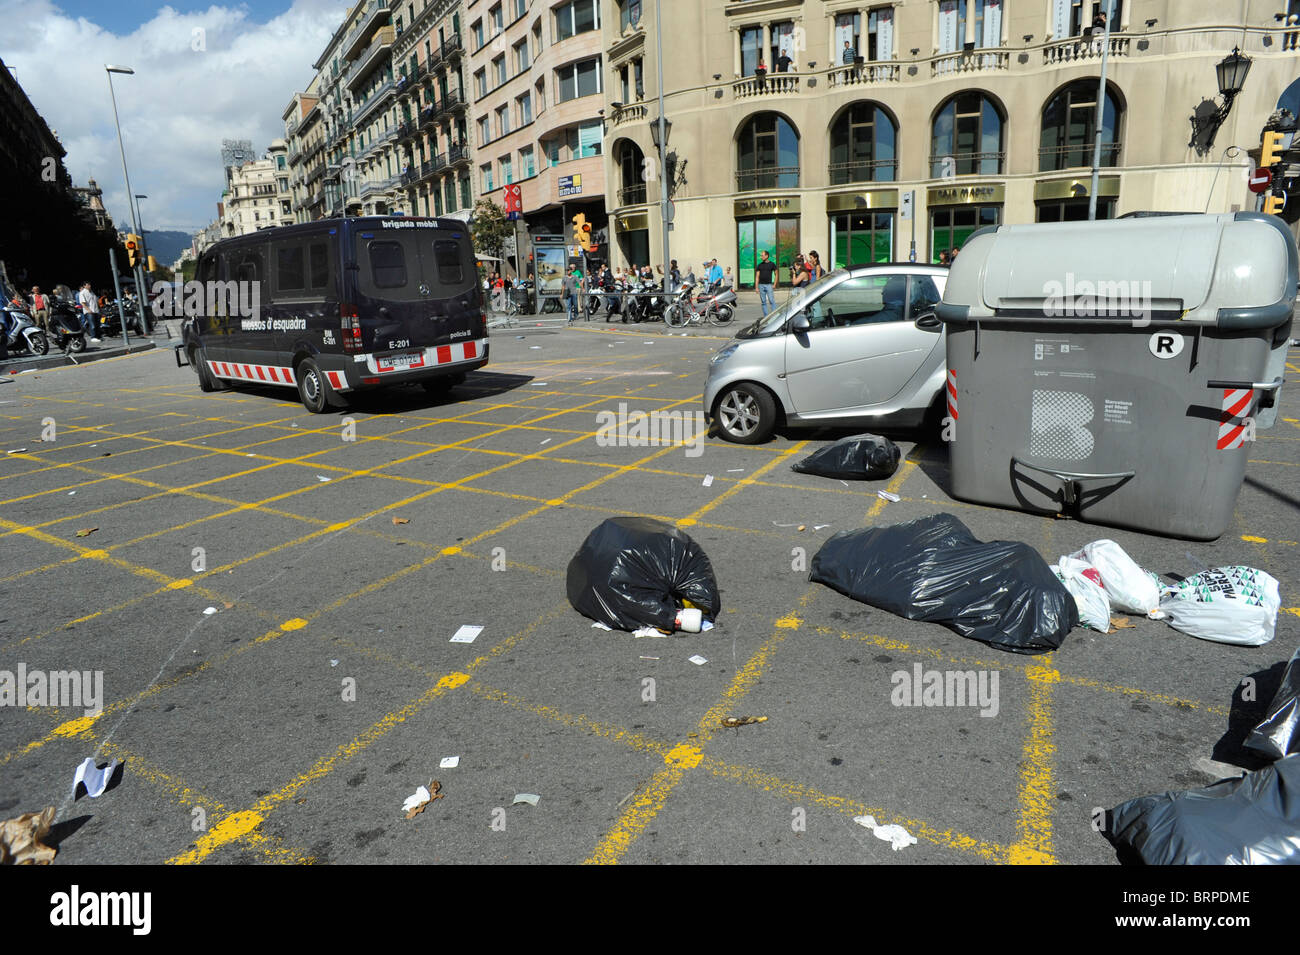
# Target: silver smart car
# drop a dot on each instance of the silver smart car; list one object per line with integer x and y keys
{"x": 860, "y": 345}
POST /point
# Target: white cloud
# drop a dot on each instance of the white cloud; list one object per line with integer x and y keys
{"x": 199, "y": 78}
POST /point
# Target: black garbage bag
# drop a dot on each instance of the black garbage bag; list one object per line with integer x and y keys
{"x": 1002, "y": 593}
{"x": 1251, "y": 820}
{"x": 1278, "y": 734}
{"x": 862, "y": 457}
{"x": 633, "y": 572}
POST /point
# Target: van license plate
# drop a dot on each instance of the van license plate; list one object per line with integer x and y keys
{"x": 402, "y": 362}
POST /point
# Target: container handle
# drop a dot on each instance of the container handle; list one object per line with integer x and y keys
{"x": 1070, "y": 479}
{"x": 1273, "y": 385}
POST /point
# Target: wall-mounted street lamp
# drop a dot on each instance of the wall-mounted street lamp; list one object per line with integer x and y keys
{"x": 1231, "y": 73}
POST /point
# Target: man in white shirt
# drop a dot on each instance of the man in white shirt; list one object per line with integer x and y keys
{"x": 89, "y": 311}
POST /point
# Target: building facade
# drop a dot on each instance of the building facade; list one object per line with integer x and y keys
{"x": 804, "y": 125}
{"x": 258, "y": 194}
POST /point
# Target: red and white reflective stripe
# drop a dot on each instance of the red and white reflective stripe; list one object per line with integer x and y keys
{"x": 460, "y": 351}
{"x": 266, "y": 374}
{"x": 1232, "y": 420}
{"x": 337, "y": 381}
{"x": 952, "y": 394}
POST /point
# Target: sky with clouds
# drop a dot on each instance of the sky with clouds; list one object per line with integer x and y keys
{"x": 202, "y": 74}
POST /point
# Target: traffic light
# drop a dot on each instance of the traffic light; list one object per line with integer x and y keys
{"x": 1273, "y": 205}
{"x": 132, "y": 249}
{"x": 582, "y": 232}
{"x": 1270, "y": 152}
{"x": 152, "y": 265}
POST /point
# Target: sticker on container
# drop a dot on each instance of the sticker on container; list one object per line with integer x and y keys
{"x": 1165, "y": 344}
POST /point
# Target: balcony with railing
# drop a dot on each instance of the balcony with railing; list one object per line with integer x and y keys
{"x": 451, "y": 103}
{"x": 778, "y": 84}
{"x": 428, "y": 114}
{"x": 862, "y": 170}
{"x": 452, "y": 48}
{"x": 379, "y": 185}
{"x": 381, "y": 93}
{"x": 986, "y": 60}
{"x": 868, "y": 74}
{"x": 632, "y": 195}
{"x": 406, "y": 129}
{"x": 767, "y": 177}
{"x": 375, "y": 54}
{"x": 457, "y": 155}
{"x": 1082, "y": 49}
{"x": 631, "y": 113}
{"x": 1058, "y": 158}
{"x": 363, "y": 30}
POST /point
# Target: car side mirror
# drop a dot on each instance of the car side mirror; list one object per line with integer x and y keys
{"x": 800, "y": 322}
{"x": 928, "y": 321}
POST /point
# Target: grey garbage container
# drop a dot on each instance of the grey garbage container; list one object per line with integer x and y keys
{"x": 1117, "y": 371}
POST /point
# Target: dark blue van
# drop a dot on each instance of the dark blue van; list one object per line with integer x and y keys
{"x": 336, "y": 306}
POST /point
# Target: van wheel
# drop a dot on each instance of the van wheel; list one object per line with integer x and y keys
{"x": 313, "y": 389}
{"x": 206, "y": 380}
{"x": 746, "y": 414}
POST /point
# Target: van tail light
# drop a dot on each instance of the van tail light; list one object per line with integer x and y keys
{"x": 351, "y": 325}
{"x": 483, "y": 328}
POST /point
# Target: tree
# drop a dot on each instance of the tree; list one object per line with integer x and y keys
{"x": 490, "y": 228}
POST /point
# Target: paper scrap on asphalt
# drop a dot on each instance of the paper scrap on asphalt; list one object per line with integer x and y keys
{"x": 886, "y": 495}
{"x": 95, "y": 780}
{"x": 420, "y": 799}
{"x": 71, "y": 493}
{"x": 896, "y": 836}
{"x": 334, "y": 663}
{"x": 734, "y": 470}
{"x": 17, "y": 450}
{"x": 540, "y": 384}
{"x": 649, "y": 632}
{"x": 547, "y": 441}
{"x": 706, "y": 626}
{"x": 531, "y": 798}
{"x": 86, "y": 531}
{"x": 775, "y": 524}
{"x": 600, "y": 626}
{"x": 209, "y": 611}
{"x": 649, "y": 658}
{"x": 449, "y": 762}
{"x": 321, "y": 479}
{"x": 708, "y": 480}
{"x": 698, "y": 660}
{"x": 466, "y": 634}
{"x": 818, "y": 527}
{"x": 537, "y": 347}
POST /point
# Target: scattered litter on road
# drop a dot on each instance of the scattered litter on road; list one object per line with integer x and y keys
{"x": 1278, "y": 733}
{"x": 649, "y": 658}
{"x": 466, "y": 634}
{"x": 16, "y": 450}
{"x": 95, "y": 780}
{"x": 888, "y": 496}
{"x": 531, "y": 798}
{"x": 734, "y": 470}
{"x": 1122, "y": 623}
{"x": 520, "y": 337}
{"x": 334, "y": 663}
{"x": 536, "y": 347}
{"x": 1235, "y": 605}
{"x": 600, "y": 626}
{"x": 934, "y": 569}
{"x": 1250, "y": 820}
{"x": 862, "y": 457}
{"x": 1129, "y": 587}
{"x": 803, "y": 527}
{"x": 449, "y": 762}
{"x": 1083, "y": 582}
{"x": 209, "y": 611}
{"x": 698, "y": 660}
{"x": 650, "y": 632}
{"x": 321, "y": 478}
{"x": 775, "y": 524}
{"x": 845, "y": 483}
{"x": 731, "y": 722}
{"x": 897, "y": 837}
{"x": 418, "y": 800}
{"x": 547, "y": 441}
{"x": 71, "y": 493}
{"x": 818, "y": 527}
{"x": 20, "y": 839}
{"x": 633, "y": 572}
{"x": 400, "y": 520}
{"x": 708, "y": 480}
{"x": 86, "y": 531}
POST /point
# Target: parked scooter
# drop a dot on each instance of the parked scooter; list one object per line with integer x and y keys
{"x": 65, "y": 329}
{"x": 110, "y": 326}
{"x": 22, "y": 334}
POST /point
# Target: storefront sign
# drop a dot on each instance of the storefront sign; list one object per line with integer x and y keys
{"x": 768, "y": 205}
{"x": 960, "y": 195}
{"x": 1107, "y": 188}
{"x": 871, "y": 199}
{"x": 633, "y": 223}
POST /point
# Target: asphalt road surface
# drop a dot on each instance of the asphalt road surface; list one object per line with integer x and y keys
{"x": 271, "y": 596}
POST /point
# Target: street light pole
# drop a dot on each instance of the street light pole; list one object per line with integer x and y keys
{"x": 1101, "y": 116}
{"x": 663, "y": 148}
{"x": 141, "y": 296}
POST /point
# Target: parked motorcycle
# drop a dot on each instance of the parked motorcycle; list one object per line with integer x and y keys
{"x": 22, "y": 334}
{"x": 65, "y": 329}
{"x": 110, "y": 326}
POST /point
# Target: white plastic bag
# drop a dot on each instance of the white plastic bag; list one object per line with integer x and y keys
{"x": 1083, "y": 582}
{"x": 1130, "y": 588}
{"x": 1236, "y": 605}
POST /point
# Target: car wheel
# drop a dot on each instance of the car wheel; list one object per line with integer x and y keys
{"x": 313, "y": 389}
{"x": 746, "y": 414}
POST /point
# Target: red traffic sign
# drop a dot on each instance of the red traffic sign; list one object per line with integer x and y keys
{"x": 1259, "y": 180}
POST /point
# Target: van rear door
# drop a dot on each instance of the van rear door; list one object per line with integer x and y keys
{"x": 416, "y": 286}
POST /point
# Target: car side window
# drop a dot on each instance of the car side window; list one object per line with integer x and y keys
{"x": 864, "y": 300}
{"x": 925, "y": 295}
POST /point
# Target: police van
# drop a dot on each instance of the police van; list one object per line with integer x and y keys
{"x": 337, "y": 306}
